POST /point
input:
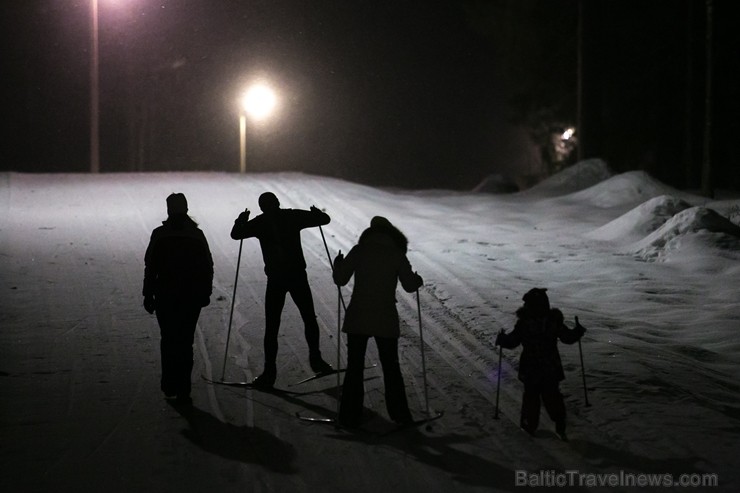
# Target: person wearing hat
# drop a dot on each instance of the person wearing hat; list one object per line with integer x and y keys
{"x": 178, "y": 280}
{"x": 279, "y": 233}
{"x": 378, "y": 262}
{"x": 538, "y": 329}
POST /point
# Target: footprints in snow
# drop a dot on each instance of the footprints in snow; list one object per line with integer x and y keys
{"x": 536, "y": 257}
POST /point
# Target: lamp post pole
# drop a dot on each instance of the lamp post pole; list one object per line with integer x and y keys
{"x": 94, "y": 92}
{"x": 242, "y": 143}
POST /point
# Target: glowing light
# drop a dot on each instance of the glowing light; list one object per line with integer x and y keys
{"x": 259, "y": 101}
{"x": 568, "y": 133}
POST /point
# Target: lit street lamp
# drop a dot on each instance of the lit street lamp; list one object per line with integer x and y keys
{"x": 258, "y": 102}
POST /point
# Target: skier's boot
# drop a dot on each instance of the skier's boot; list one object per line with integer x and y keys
{"x": 184, "y": 400}
{"x": 266, "y": 380}
{"x": 560, "y": 430}
{"x": 349, "y": 421}
{"x": 403, "y": 420}
{"x": 318, "y": 365}
{"x": 528, "y": 427}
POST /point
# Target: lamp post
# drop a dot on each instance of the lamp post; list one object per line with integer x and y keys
{"x": 242, "y": 142}
{"x": 257, "y": 102}
{"x": 94, "y": 91}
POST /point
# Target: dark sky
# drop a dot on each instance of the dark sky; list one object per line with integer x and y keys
{"x": 388, "y": 92}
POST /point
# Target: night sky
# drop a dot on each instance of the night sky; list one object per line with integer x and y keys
{"x": 402, "y": 93}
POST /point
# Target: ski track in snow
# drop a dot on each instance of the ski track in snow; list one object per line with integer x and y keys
{"x": 660, "y": 386}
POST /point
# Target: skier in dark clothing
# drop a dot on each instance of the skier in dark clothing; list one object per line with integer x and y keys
{"x": 378, "y": 262}
{"x": 279, "y": 233}
{"x": 538, "y": 329}
{"x": 178, "y": 279}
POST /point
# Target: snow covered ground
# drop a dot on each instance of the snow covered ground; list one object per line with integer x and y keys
{"x": 652, "y": 272}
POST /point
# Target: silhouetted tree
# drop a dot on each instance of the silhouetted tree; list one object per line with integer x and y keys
{"x": 706, "y": 167}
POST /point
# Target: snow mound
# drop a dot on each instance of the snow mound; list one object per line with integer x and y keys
{"x": 632, "y": 187}
{"x": 581, "y": 175}
{"x": 640, "y": 221}
{"x": 496, "y": 184}
{"x": 695, "y": 220}
{"x": 729, "y": 208}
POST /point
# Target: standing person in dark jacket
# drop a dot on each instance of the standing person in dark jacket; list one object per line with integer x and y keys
{"x": 378, "y": 262}
{"x": 279, "y": 233}
{"x": 538, "y": 329}
{"x": 178, "y": 279}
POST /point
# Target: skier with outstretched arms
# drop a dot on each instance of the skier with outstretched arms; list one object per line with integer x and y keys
{"x": 279, "y": 233}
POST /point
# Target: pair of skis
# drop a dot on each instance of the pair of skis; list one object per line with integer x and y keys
{"x": 322, "y": 374}
{"x": 246, "y": 385}
{"x": 359, "y": 429}
{"x": 242, "y": 383}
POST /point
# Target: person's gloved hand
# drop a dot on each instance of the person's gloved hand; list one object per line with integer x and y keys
{"x": 498, "y": 338}
{"x": 339, "y": 258}
{"x": 419, "y": 280}
{"x": 580, "y": 328}
{"x": 149, "y": 304}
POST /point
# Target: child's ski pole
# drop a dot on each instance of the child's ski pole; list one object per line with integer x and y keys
{"x": 583, "y": 370}
{"x": 498, "y": 377}
{"x": 423, "y": 360}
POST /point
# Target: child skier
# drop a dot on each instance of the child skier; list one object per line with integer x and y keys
{"x": 538, "y": 329}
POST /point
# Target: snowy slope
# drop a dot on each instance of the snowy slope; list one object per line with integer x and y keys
{"x": 652, "y": 275}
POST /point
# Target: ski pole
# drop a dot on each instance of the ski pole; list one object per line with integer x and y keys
{"x": 340, "y": 304}
{"x": 423, "y": 361}
{"x": 231, "y": 314}
{"x": 339, "y": 334}
{"x": 331, "y": 264}
{"x": 326, "y": 247}
{"x": 498, "y": 377}
{"x": 583, "y": 371}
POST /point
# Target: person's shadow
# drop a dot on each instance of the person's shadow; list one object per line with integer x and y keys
{"x": 241, "y": 443}
{"x": 438, "y": 451}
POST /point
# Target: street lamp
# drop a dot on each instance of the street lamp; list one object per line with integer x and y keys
{"x": 94, "y": 91}
{"x": 258, "y": 102}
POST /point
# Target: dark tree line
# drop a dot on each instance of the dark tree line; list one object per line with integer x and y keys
{"x": 649, "y": 85}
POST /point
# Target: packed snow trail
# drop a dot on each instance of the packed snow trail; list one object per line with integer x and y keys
{"x": 80, "y": 357}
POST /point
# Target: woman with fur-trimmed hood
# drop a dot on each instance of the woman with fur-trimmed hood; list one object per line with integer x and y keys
{"x": 378, "y": 262}
{"x": 538, "y": 329}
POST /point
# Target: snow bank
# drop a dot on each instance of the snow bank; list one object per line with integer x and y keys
{"x": 693, "y": 221}
{"x": 496, "y": 184}
{"x": 640, "y": 221}
{"x": 728, "y": 208}
{"x": 581, "y": 175}
{"x": 632, "y": 187}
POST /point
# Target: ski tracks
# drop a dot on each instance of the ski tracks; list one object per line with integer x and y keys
{"x": 461, "y": 361}
{"x": 460, "y": 358}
